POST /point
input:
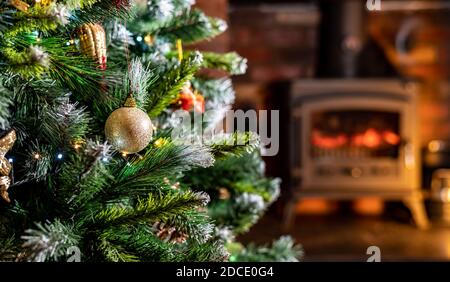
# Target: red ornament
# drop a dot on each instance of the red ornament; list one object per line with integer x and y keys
{"x": 190, "y": 100}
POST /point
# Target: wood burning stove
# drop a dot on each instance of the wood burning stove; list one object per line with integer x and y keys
{"x": 352, "y": 138}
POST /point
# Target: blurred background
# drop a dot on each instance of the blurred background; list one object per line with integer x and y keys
{"x": 364, "y": 100}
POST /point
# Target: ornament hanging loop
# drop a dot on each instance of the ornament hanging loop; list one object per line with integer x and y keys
{"x": 130, "y": 102}
{"x": 180, "y": 50}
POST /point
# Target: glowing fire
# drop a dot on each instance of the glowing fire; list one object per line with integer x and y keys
{"x": 391, "y": 138}
{"x": 328, "y": 142}
{"x": 371, "y": 138}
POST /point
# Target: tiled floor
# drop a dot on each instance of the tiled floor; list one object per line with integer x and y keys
{"x": 346, "y": 237}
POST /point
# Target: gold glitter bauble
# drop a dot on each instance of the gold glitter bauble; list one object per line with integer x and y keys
{"x": 129, "y": 129}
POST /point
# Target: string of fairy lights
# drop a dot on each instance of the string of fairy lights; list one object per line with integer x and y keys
{"x": 60, "y": 156}
{"x": 37, "y": 156}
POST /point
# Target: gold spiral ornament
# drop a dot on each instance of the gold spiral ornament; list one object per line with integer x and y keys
{"x": 6, "y": 143}
{"x": 93, "y": 42}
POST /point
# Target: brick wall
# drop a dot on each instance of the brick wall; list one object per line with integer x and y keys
{"x": 280, "y": 43}
{"x": 278, "y": 40}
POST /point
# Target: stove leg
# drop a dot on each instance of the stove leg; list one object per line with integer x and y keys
{"x": 418, "y": 212}
{"x": 289, "y": 213}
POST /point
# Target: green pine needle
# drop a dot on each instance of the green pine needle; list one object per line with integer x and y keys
{"x": 167, "y": 88}
{"x": 151, "y": 209}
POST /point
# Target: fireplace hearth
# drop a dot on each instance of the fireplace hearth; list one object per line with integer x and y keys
{"x": 355, "y": 138}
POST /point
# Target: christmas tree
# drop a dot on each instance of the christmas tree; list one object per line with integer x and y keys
{"x": 90, "y": 96}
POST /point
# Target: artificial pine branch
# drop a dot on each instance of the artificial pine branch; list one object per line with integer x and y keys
{"x": 151, "y": 209}
{"x": 35, "y": 18}
{"x": 30, "y": 96}
{"x": 191, "y": 26}
{"x": 94, "y": 11}
{"x": 218, "y": 93}
{"x": 138, "y": 81}
{"x": 196, "y": 224}
{"x": 81, "y": 4}
{"x": 150, "y": 169}
{"x": 8, "y": 249}
{"x": 51, "y": 56}
{"x": 6, "y": 17}
{"x": 112, "y": 251}
{"x": 169, "y": 84}
{"x": 64, "y": 122}
{"x": 39, "y": 159}
{"x": 267, "y": 188}
{"x": 116, "y": 253}
{"x": 78, "y": 72}
{"x": 250, "y": 192}
{"x": 228, "y": 62}
{"x": 49, "y": 241}
{"x": 77, "y": 187}
{"x": 137, "y": 244}
{"x": 208, "y": 252}
{"x": 23, "y": 62}
{"x": 281, "y": 250}
{"x": 235, "y": 144}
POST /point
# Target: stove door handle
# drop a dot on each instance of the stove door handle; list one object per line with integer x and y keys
{"x": 409, "y": 159}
